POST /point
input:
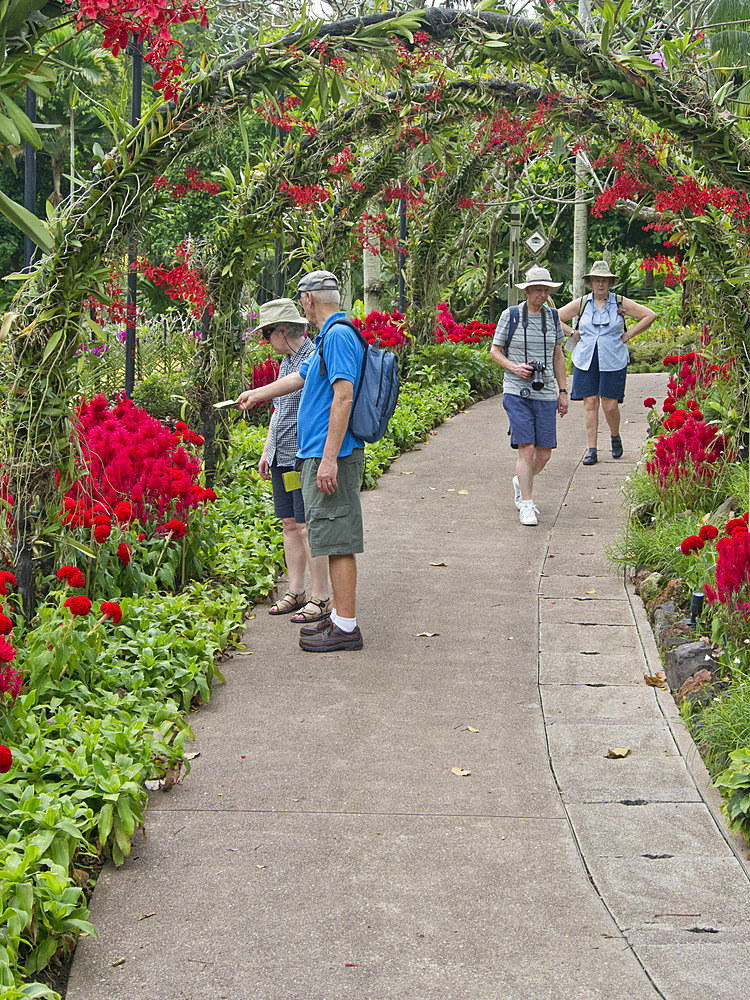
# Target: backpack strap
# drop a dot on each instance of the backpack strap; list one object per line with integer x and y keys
{"x": 515, "y": 316}
{"x": 584, "y": 300}
{"x": 362, "y": 339}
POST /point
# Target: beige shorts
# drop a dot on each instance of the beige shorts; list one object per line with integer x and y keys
{"x": 334, "y": 522}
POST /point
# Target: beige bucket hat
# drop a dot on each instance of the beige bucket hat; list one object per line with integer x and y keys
{"x": 600, "y": 269}
{"x": 538, "y": 276}
{"x": 279, "y": 311}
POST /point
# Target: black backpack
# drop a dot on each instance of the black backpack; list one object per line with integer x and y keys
{"x": 377, "y": 392}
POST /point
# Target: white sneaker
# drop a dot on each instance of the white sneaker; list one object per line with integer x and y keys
{"x": 528, "y": 513}
{"x": 517, "y": 492}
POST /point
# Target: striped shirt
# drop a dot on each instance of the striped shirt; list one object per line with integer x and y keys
{"x": 532, "y": 347}
{"x": 282, "y": 438}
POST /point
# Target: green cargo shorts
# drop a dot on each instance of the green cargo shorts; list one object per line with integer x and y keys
{"x": 334, "y": 523}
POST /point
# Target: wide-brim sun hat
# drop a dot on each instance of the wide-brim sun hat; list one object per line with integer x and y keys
{"x": 538, "y": 276}
{"x": 279, "y": 311}
{"x": 600, "y": 269}
{"x": 316, "y": 281}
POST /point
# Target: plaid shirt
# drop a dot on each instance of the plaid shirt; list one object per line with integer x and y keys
{"x": 282, "y": 440}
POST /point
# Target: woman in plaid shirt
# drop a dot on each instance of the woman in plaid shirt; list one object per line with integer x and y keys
{"x": 285, "y": 330}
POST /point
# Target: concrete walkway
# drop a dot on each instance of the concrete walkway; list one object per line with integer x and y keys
{"x": 322, "y": 847}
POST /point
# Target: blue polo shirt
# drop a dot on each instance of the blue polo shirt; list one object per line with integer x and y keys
{"x": 343, "y": 355}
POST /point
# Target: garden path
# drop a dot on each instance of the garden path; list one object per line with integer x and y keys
{"x": 323, "y": 848}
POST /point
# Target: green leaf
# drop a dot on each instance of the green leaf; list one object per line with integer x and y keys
{"x": 53, "y": 343}
{"x": 29, "y": 224}
{"x": 9, "y": 132}
{"x": 23, "y": 124}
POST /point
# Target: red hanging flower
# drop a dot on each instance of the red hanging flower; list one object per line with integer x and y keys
{"x": 102, "y": 531}
{"x": 175, "y": 527}
{"x": 6, "y": 759}
{"x": 111, "y": 609}
{"x": 78, "y": 605}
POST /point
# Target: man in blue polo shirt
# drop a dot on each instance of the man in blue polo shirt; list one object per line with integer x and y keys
{"x": 330, "y": 457}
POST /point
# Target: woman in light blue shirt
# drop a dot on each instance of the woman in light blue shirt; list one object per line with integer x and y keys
{"x": 600, "y": 357}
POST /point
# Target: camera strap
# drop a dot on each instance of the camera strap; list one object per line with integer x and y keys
{"x": 525, "y": 321}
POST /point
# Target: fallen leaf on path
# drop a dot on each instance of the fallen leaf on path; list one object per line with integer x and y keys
{"x": 590, "y": 591}
{"x": 461, "y": 772}
{"x": 434, "y": 488}
{"x": 465, "y": 492}
{"x": 471, "y": 729}
{"x": 437, "y": 564}
{"x": 409, "y": 473}
{"x": 426, "y": 635}
{"x": 617, "y": 752}
{"x": 449, "y": 490}
{"x": 145, "y": 916}
{"x": 192, "y": 756}
{"x": 118, "y": 961}
{"x": 657, "y": 680}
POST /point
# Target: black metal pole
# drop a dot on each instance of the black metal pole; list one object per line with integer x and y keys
{"x": 29, "y": 179}
{"x": 136, "y": 48}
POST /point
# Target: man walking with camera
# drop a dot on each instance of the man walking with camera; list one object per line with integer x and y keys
{"x": 528, "y": 345}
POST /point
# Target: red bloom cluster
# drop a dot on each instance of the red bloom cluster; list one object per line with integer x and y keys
{"x": 123, "y": 553}
{"x": 6, "y": 759}
{"x": 151, "y": 20}
{"x": 304, "y": 195}
{"x": 688, "y": 455}
{"x": 78, "y": 605}
{"x": 687, "y": 194}
{"x": 283, "y": 115}
{"x": 446, "y": 328}
{"x": 265, "y": 373}
{"x": 649, "y": 403}
{"x": 72, "y": 574}
{"x": 342, "y": 162}
{"x": 175, "y": 528}
{"x": 6, "y": 578}
{"x": 668, "y": 266}
{"x": 193, "y": 182}
{"x": 732, "y": 564}
{"x": 693, "y": 543}
{"x": 626, "y": 186}
{"x": 111, "y": 609}
{"x": 126, "y": 453}
{"x": 708, "y": 532}
{"x": 183, "y": 433}
{"x": 372, "y": 234}
{"x": 180, "y": 282}
{"x": 11, "y": 681}
{"x": 6, "y": 625}
{"x": 388, "y": 328}
{"x": 7, "y": 652}
{"x": 412, "y": 197}
{"x": 420, "y": 54}
{"x": 515, "y": 137}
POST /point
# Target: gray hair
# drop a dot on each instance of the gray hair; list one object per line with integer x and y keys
{"x": 327, "y": 295}
{"x": 295, "y": 330}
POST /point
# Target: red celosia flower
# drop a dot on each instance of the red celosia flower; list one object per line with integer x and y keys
{"x": 6, "y": 759}
{"x": 175, "y": 527}
{"x": 7, "y": 652}
{"x": 692, "y": 542}
{"x": 124, "y": 510}
{"x": 141, "y": 537}
{"x": 708, "y": 532}
{"x": 648, "y": 403}
{"x": 710, "y": 592}
{"x": 11, "y": 681}
{"x": 111, "y": 609}
{"x": 72, "y": 574}
{"x": 123, "y": 552}
{"x": 736, "y": 522}
{"x": 79, "y": 605}
{"x": 102, "y": 531}
{"x": 6, "y": 625}
{"x": 5, "y": 579}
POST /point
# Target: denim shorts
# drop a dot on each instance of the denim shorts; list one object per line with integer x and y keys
{"x": 532, "y": 421}
{"x": 334, "y": 522}
{"x": 286, "y": 504}
{"x": 611, "y": 385}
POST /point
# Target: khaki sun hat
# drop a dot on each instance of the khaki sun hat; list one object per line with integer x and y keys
{"x": 315, "y": 281}
{"x": 279, "y": 311}
{"x": 538, "y": 276}
{"x": 600, "y": 269}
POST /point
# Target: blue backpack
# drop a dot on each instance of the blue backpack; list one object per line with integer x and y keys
{"x": 377, "y": 392}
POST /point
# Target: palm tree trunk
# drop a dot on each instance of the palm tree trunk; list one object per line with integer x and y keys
{"x": 371, "y": 275}
{"x": 72, "y": 153}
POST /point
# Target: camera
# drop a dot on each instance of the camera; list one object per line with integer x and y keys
{"x": 537, "y": 375}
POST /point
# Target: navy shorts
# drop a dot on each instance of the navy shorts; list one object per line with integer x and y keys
{"x": 286, "y": 504}
{"x": 532, "y": 421}
{"x": 611, "y": 385}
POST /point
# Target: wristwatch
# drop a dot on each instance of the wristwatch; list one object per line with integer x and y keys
{"x": 562, "y": 390}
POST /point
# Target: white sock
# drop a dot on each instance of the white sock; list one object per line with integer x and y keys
{"x": 345, "y": 624}
{"x": 333, "y": 616}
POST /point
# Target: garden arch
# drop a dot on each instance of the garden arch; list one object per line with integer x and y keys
{"x": 44, "y": 327}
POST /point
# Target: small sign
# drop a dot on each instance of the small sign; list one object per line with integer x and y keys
{"x": 537, "y": 243}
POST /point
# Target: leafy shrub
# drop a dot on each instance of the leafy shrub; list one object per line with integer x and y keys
{"x": 164, "y": 397}
{"x": 734, "y": 784}
{"x": 445, "y": 361}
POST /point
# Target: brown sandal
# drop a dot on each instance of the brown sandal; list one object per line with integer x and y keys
{"x": 321, "y": 610}
{"x": 288, "y": 603}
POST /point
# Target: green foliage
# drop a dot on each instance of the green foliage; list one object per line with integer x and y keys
{"x": 734, "y": 784}
{"x": 444, "y": 361}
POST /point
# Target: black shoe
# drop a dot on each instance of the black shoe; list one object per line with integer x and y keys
{"x": 314, "y": 627}
{"x": 590, "y": 457}
{"x": 616, "y": 446}
{"x": 332, "y": 640}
